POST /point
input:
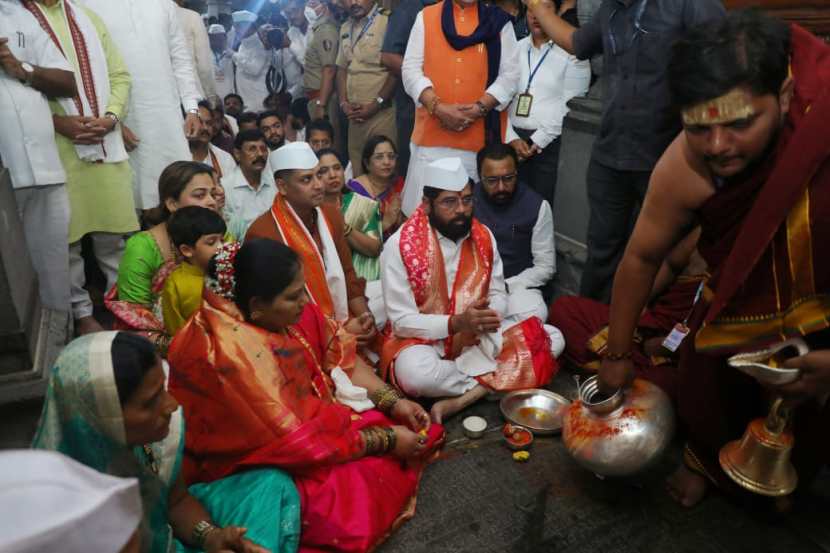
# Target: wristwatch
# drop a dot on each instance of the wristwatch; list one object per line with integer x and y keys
{"x": 29, "y": 71}
{"x": 112, "y": 116}
{"x": 380, "y": 101}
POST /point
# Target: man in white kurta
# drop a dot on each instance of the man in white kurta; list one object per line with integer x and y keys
{"x": 154, "y": 47}
{"x": 222, "y": 56}
{"x": 424, "y": 368}
{"x": 425, "y": 89}
{"x": 261, "y": 69}
{"x": 33, "y": 66}
{"x": 197, "y": 42}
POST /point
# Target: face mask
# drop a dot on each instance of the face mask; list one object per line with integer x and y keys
{"x": 310, "y": 15}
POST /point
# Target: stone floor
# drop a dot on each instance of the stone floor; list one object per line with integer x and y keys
{"x": 476, "y": 499}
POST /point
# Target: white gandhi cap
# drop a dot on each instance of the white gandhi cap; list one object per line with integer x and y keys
{"x": 216, "y": 29}
{"x": 244, "y": 16}
{"x": 49, "y": 502}
{"x": 294, "y": 155}
{"x": 446, "y": 174}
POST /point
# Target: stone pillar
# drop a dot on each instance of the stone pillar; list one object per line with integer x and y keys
{"x": 571, "y": 211}
{"x": 31, "y": 336}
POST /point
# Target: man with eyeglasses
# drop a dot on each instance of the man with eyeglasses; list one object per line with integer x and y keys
{"x": 449, "y": 334}
{"x": 638, "y": 120}
{"x": 522, "y": 223}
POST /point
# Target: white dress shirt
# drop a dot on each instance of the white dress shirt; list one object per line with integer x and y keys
{"x": 401, "y": 308}
{"x": 243, "y": 203}
{"x": 559, "y": 78}
{"x": 502, "y": 89}
{"x": 544, "y": 254}
{"x": 154, "y": 47}
{"x": 27, "y": 135}
{"x": 223, "y": 73}
{"x": 199, "y": 45}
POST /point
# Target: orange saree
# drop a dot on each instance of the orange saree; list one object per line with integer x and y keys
{"x": 525, "y": 360}
{"x": 257, "y": 398}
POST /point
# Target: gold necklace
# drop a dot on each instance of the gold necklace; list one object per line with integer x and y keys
{"x": 152, "y": 462}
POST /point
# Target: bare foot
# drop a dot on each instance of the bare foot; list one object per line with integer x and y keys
{"x": 87, "y": 325}
{"x": 686, "y": 487}
{"x": 452, "y": 405}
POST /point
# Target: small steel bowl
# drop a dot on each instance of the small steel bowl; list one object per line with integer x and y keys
{"x": 510, "y": 430}
{"x": 474, "y": 427}
{"x": 540, "y": 411}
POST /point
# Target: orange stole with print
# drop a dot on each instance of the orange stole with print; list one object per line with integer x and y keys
{"x": 297, "y": 237}
{"x": 525, "y": 359}
{"x": 458, "y": 77}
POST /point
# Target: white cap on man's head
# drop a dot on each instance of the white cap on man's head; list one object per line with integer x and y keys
{"x": 446, "y": 174}
{"x": 244, "y": 16}
{"x": 216, "y": 29}
{"x": 49, "y": 502}
{"x": 294, "y": 155}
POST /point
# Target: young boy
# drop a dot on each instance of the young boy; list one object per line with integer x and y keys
{"x": 196, "y": 233}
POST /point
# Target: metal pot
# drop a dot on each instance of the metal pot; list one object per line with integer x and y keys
{"x": 618, "y": 435}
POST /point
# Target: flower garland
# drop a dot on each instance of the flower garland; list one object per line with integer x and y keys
{"x": 224, "y": 281}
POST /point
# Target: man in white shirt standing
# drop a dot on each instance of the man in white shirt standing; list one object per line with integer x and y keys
{"x": 522, "y": 223}
{"x": 154, "y": 47}
{"x": 299, "y": 33}
{"x": 549, "y": 78}
{"x": 223, "y": 68}
{"x": 31, "y": 68}
{"x": 250, "y": 188}
{"x": 199, "y": 46}
{"x": 461, "y": 79}
{"x": 450, "y": 335}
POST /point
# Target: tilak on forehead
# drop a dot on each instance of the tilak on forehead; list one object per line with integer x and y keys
{"x": 732, "y": 106}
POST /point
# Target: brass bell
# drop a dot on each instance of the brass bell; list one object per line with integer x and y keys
{"x": 760, "y": 460}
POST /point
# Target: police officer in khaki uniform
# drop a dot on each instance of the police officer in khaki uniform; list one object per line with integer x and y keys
{"x": 364, "y": 85}
{"x": 321, "y": 59}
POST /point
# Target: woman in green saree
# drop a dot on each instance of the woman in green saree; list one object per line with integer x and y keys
{"x": 372, "y": 205}
{"x": 150, "y": 257}
{"x": 107, "y": 407}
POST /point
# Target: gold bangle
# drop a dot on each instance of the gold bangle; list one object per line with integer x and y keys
{"x": 385, "y": 398}
{"x": 347, "y": 230}
{"x": 393, "y": 438}
{"x": 433, "y": 104}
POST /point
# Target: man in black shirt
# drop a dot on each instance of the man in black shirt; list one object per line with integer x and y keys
{"x": 638, "y": 122}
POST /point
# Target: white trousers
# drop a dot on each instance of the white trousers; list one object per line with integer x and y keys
{"x": 44, "y": 211}
{"x": 108, "y": 250}
{"x": 421, "y": 372}
{"x": 419, "y": 158}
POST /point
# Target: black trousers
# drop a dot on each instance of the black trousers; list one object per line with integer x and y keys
{"x": 615, "y": 198}
{"x": 540, "y": 171}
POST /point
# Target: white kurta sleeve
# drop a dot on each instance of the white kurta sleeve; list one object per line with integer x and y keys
{"x": 504, "y": 87}
{"x": 182, "y": 62}
{"x": 412, "y": 68}
{"x": 401, "y": 309}
{"x": 204, "y": 59}
{"x": 544, "y": 253}
{"x": 298, "y": 44}
{"x": 498, "y": 290}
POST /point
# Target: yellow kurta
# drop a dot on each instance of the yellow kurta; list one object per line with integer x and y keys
{"x": 182, "y": 296}
{"x": 100, "y": 194}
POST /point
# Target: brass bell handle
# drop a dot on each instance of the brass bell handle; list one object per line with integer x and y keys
{"x": 778, "y": 417}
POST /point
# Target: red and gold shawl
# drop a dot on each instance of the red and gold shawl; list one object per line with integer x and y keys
{"x": 524, "y": 361}
{"x": 765, "y": 235}
{"x": 253, "y": 397}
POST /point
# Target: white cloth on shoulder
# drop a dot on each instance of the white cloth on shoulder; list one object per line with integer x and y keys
{"x": 49, "y": 502}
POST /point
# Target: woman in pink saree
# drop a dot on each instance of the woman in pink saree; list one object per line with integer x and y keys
{"x": 266, "y": 380}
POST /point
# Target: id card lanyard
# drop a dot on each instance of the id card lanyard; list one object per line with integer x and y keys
{"x": 525, "y": 101}
{"x": 365, "y": 28}
{"x": 681, "y": 330}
